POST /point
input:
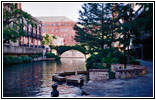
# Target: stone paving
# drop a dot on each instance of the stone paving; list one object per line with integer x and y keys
{"x": 136, "y": 87}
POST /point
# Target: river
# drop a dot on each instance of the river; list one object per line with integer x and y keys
{"x": 35, "y": 79}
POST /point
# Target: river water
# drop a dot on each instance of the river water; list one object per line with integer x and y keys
{"x": 35, "y": 79}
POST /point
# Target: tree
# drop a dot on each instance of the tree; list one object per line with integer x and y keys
{"x": 13, "y": 22}
{"x": 48, "y": 40}
{"x": 95, "y": 28}
{"x": 144, "y": 23}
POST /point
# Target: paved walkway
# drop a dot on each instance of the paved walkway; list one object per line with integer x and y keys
{"x": 137, "y": 87}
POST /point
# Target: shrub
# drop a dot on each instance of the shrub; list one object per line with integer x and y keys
{"x": 57, "y": 58}
{"x": 34, "y": 56}
{"x": 17, "y": 60}
{"x": 107, "y": 56}
{"x": 26, "y": 58}
{"x": 9, "y": 60}
{"x": 133, "y": 61}
{"x": 50, "y": 55}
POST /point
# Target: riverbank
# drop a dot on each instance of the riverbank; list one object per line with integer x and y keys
{"x": 137, "y": 87}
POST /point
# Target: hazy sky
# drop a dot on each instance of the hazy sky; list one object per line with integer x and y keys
{"x": 69, "y": 10}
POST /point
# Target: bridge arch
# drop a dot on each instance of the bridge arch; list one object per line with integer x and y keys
{"x": 72, "y": 53}
{"x": 61, "y": 49}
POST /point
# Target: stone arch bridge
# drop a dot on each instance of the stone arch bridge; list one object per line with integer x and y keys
{"x": 71, "y": 51}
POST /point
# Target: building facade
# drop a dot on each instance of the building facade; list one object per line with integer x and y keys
{"x": 33, "y": 31}
{"x": 59, "y": 26}
{"x": 34, "y": 34}
{"x": 31, "y": 42}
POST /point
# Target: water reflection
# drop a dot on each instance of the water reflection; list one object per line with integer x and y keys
{"x": 35, "y": 79}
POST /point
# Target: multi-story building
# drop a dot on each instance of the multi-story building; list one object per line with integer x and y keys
{"x": 33, "y": 37}
{"x": 59, "y": 26}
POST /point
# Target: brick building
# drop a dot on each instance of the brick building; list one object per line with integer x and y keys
{"x": 34, "y": 36}
{"x": 59, "y": 26}
{"x": 31, "y": 43}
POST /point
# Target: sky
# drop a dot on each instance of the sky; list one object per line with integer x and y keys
{"x": 69, "y": 10}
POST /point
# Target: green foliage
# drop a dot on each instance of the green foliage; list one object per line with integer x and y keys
{"x": 96, "y": 26}
{"x": 10, "y": 60}
{"x": 144, "y": 24}
{"x": 7, "y": 60}
{"x": 62, "y": 49}
{"x": 107, "y": 56}
{"x": 17, "y": 60}
{"x": 13, "y": 23}
{"x": 48, "y": 39}
{"x": 57, "y": 58}
{"x": 34, "y": 56}
{"x": 26, "y": 58}
{"x": 133, "y": 61}
{"x": 109, "y": 60}
{"x": 50, "y": 55}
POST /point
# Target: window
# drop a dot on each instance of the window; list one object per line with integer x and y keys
{"x": 44, "y": 30}
{"x": 31, "y": 40}
{"x": 56, "y": 30}
{"x": 62, "y": 24}
{"x": 44, "y": 24}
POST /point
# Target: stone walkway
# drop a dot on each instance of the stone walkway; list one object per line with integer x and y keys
{"x": 137, "y": 87}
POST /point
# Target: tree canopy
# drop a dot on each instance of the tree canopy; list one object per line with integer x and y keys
{"x": 96, "y": 26}
{"x": 101, "y": 25}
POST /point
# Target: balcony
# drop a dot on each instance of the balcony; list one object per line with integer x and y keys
{"x": 28, "y": 33}
{"x": 41, "y": 37}
{"x": 38, "y": 36}
{"x": 34, "y": 35}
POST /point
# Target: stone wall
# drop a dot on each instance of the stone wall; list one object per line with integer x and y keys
{"x": 115, "y": 67}
{"x": 73, "y": 53}
{"x": 131, "y": 72}
{"x": 124, "y": 73}
{"x": 98, "y": 74}
{"x": 9, "y": 49}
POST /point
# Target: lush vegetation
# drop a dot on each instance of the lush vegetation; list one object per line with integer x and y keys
{"x": 13, "y": 22}
{"x": 107, "y": 56}
{"x": 52, "y": 55}
{"x": 104, "y": 59}
{"x": 48, "y": 39}
{"x": 62, "y": 49}
{"x": 103, "y": 26}
{"x": 9, "y": 60}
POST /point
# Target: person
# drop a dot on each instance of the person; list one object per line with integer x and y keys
{"x": 54, "y": 93}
